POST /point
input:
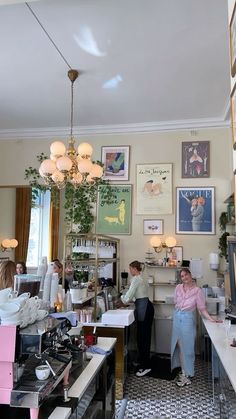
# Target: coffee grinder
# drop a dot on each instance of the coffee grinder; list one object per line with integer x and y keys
{"x": 124, "y": 279}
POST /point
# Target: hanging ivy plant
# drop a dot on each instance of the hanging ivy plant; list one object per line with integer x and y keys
{"x": 79, "y": 200}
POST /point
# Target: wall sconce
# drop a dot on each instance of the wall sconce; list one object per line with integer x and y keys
{"x": 158, "y": 245}
{"x": 8, "y": 244}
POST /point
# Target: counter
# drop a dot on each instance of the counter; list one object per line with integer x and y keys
{"x": 120, "y": 332}
{"x": 226, "y": 353}
{"x": 82, "y": 383}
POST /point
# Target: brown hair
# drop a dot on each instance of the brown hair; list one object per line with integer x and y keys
{"x": 186, "y": 270}
{"x": 7, "y": 272}
{"x": 23, "y": 266}
{"x": 58, "y": 263}
{"x": 137, "y": 265}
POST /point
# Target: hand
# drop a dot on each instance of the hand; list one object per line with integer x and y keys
{"x": 119, "y": 304}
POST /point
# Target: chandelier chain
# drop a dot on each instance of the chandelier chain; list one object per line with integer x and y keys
{"x": 72, "y": 109}
{"x": 47, "y": 34}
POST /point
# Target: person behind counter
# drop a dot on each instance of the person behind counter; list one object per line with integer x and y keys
{"x": 144, "y": 313}
{"x": 187, "y": 298}
{"x": 21, "y": 268}
{"x": 7, "y": 272}
{"x": 58, "y": 268}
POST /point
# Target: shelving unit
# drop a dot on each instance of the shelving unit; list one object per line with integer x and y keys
{"x": 164, "y": 282}
{"x": 94, "y": 254}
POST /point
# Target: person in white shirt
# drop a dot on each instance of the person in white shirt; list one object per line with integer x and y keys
{"x": 144, "y": 313}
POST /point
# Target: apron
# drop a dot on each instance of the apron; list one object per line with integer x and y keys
{"x": 140, "y": 308}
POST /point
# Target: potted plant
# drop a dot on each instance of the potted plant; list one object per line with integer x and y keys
{"x": 79, "y": 286}
{"x": 223, "y": 221}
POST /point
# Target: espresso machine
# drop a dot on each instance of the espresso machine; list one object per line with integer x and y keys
{"x": 21, "y": 351}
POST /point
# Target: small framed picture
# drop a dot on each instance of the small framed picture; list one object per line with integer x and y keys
{"x": 177, "y": 252}
{"x": 153, "y": 227}
{"x": 232, "y": 30}
{"x": 195, "y": 159}
{"x": 233, "y": 114}
{"x": 116, "y": 163}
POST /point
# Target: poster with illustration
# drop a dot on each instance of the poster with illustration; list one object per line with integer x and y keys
{"x": 195, "y": 159}
{"x": 116, "y": 163}
{"x": 114, "y": 218}
{"x": 154, "y": 188}
{"x": 195, "y": 210}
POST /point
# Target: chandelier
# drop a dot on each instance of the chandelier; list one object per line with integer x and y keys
{"x": 66, "y": 165}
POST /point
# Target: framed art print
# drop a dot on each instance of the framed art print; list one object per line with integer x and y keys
{"x": 116, "y": 163}
{"x": 232, "y": 33}
{"x": 153, "y": 227}
{"x": 233, "y": 114}
{"x": 195, "y": 159}
{"x": 154, "y": 188}
{"x": 195, "y": 210}
{"x": 114, "y": 218}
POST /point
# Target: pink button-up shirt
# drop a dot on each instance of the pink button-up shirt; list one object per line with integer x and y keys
{"x": 189, "y": 300}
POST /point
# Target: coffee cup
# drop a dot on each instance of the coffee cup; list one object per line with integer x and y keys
{"x": 42, "y": 372}
{"x": 42, "y": 314}
{"x": 4, "y": 295}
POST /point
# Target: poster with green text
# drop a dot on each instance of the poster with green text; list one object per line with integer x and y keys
{"x": 114, "y": 218}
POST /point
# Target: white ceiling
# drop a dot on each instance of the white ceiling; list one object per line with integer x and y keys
{"x": 146, "y": 65}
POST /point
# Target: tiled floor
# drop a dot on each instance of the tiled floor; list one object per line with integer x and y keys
{"x": 152, "y": 398}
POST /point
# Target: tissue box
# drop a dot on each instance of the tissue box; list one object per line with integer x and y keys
{"x": 118, "y": 317}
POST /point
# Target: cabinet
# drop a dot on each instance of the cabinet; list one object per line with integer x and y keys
{"x": 92, "y": 256}
{"x": 162, "y": 281}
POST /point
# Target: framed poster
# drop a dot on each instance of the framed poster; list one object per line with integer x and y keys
{"x": 195, "y": 210}
{"x": 233, "y": 114}
{"x": 116, "y": 162}
{"x": 195, "y": 159}
{"x": 154, "y": 188}
{"x": 114, "y": 218}
{"x": 232, "y": 30}
{"x": 153, "y": 227}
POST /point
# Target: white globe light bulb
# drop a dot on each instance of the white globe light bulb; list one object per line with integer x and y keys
{"x": 64, "y": 163}
{"x": 155, "y": 241}
{"x": 85, "y": 149}
{"x": 170, "y": 241}
{"x": 57, "y": 148}
{"x": 57, "y": 177}
{"x": 14, "y": 243}
{"x": 47, "y": 167}
{"x": 97, "y": 171}
{"x": 6, "y": 243}
{"x": 85, "y": 165}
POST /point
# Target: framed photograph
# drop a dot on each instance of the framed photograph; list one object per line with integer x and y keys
{"x": 153, "y": 227}
{"x": 233, "y": 114}
{"x": 116, "y": 163}
{"x": 232, "y": 30}
{"x": 195, "y": 159}
{"x": 154, "y": 188}
{"x": 114, "y": 218}
{"x": 177, "y": 251}
{"x": 195, "y": 210}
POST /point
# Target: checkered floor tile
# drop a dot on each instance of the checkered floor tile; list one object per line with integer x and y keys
{"x": 152, "y": 398}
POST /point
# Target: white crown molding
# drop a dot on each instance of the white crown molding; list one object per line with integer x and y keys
{"x": 50, "y": 133}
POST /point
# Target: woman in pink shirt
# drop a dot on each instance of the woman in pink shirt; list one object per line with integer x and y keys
{"x": 188, "y": 298}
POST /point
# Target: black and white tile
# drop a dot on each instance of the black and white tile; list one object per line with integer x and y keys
{"x": 152, "y": 398}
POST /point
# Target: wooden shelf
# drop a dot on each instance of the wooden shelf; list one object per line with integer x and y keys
{"x": 154, "y": 284}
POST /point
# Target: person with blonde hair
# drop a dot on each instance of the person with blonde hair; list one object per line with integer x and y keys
{"x": 7, "y": 272}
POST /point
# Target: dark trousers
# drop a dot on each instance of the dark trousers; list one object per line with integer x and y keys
{"x": 144, "y": 334}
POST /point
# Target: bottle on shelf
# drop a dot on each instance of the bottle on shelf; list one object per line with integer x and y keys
{"x": 110, "y": 302}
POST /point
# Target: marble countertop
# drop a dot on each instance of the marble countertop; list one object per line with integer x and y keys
{"x": 226, "y": 353}
{"x": 82, "y": 383}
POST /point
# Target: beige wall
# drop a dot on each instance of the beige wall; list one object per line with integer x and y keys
{"x": 162, "y": 147}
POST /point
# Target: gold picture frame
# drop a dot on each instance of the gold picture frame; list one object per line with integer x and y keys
{"x": 233, "y": 114}
{"x": 232, "y": 31}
